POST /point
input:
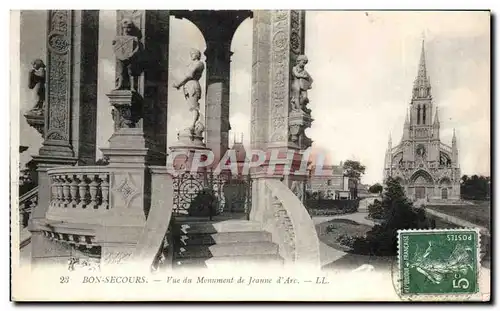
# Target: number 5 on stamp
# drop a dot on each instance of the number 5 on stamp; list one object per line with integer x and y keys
{"x": 438, "y": 262}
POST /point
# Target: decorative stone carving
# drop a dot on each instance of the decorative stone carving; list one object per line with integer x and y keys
{"x": 301, "y": 83}
{"x": 280, "y": 66}
{"x": 127, "y": 108}
{"x": 127, "y": 48}
{"x": 298, "y": 122}
{"x": 192, "y": 92}
{"x": 127, "y": 190}
{"x": 59, "y": 41}
{"x": 297, "y": 188}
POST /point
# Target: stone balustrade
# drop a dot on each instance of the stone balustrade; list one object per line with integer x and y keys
{"x": 80, "y": 187}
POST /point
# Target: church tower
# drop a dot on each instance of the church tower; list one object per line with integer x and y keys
{"x": 426, "y": 167}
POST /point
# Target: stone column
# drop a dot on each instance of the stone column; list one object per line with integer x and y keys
{"x": 139, "y": 109}
{"x": 260, "y": 78}
{"x": 218, "y": 61}
{"x": 140, "y": 112}
{"x": 279, "y": 40}
{"x": 70, "y": 111}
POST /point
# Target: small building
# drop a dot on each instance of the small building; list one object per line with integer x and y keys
{"x": 332, "y": 184}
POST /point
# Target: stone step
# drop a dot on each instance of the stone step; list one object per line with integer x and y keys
{"x": 224, "y": 237}
{"x": 234, "y": 225}
{"x": 227, "y": 249}
{"x": 228, "y": 260}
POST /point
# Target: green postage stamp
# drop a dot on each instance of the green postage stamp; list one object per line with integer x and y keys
{"x": 439, "y": 262}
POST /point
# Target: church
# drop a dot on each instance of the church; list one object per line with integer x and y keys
{"x": 427, "y": 168}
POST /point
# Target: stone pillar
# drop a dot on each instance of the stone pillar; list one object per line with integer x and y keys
{"x": 279, "y": 42}
{"x": 70, "y": 110}
{"x": 139, "y": 110}
{"x": 140, "y": 113}
{"x": 218, "y": 61}
{"x": 260, "y": 79}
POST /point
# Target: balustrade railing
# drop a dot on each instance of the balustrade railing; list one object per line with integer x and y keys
{"x": 209, "y": 194}
{"x": 80, "y": 187}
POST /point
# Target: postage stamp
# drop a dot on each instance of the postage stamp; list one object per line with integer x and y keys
{"x": 439, "y": 262}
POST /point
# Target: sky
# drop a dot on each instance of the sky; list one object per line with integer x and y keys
{"x": 363, "y": 65}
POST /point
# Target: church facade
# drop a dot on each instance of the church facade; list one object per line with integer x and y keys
{"x": 427, "y": 168}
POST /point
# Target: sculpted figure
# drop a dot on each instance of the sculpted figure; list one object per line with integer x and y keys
{"x": 301, "y": 82}
{"x": 126, "y": 48}
{"x": 37, "y": 84}
{"x": 192, "y": 89}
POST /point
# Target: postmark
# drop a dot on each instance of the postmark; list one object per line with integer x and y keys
{"x": 438, "y": 262}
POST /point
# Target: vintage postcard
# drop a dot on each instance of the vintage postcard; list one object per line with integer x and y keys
{"x": 250, "y": 155}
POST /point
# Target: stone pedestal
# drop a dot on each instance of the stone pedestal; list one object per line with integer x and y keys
{"x": 128, "y": 144}
{"x": 36, "y": 120}
{"x": 298, "y": 122}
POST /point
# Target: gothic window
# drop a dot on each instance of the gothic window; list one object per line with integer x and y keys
{"x": 418, "y": 114}
{"x": 423, "y": 115}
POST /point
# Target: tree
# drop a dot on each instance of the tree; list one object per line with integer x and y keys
{"x": 397, "y": 213}
{"x": 354, "y": 170}
{"x": 376, "y": 188}
{"x": 475, "y": 187}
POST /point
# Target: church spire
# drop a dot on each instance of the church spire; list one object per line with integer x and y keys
{"x": 421, "y": 85}
{"x": 389, "y": 144}
{"x": 436, "y": 117}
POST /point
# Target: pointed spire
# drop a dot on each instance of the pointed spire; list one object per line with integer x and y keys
{"x": 389, "y": 144}
{"x": 421, "y": 86}
{"x": 436, "y": 117}
{"x": 454, "y": 139}
{"x": 407, "y": 120}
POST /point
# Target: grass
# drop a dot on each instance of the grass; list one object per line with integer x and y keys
{"x": 478, "y": 214}
{"x": 340, "y": 227}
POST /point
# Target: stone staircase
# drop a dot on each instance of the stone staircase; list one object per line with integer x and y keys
{"x": 200, "y": 243}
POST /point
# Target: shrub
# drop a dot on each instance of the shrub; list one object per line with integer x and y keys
{"x": 376, "y": 210}
{"x": 398, "y": 213}
{"x": 347, "y": 240}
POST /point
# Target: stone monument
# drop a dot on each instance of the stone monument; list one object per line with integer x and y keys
{"x": 192, "y": 136}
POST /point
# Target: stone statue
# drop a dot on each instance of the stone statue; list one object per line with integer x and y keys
{"x": 37, "y": 84}
{"x": 301, "y": 82}
{"x": 127, "y": 48}
{"x": 192, "y": 90}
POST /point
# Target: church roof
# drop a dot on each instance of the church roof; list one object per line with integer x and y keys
{"x": 241, "y": 153}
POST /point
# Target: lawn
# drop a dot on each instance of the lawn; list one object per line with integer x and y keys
{"x": 478, "y": 214}
{"x": 330, "y": 231}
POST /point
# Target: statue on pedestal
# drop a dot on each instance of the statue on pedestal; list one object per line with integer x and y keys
{"x": 192, "y": 90}
{"x": 127, "y": 48}
{"x": 301, "y": 83}
{"x": 37, "y": 84}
